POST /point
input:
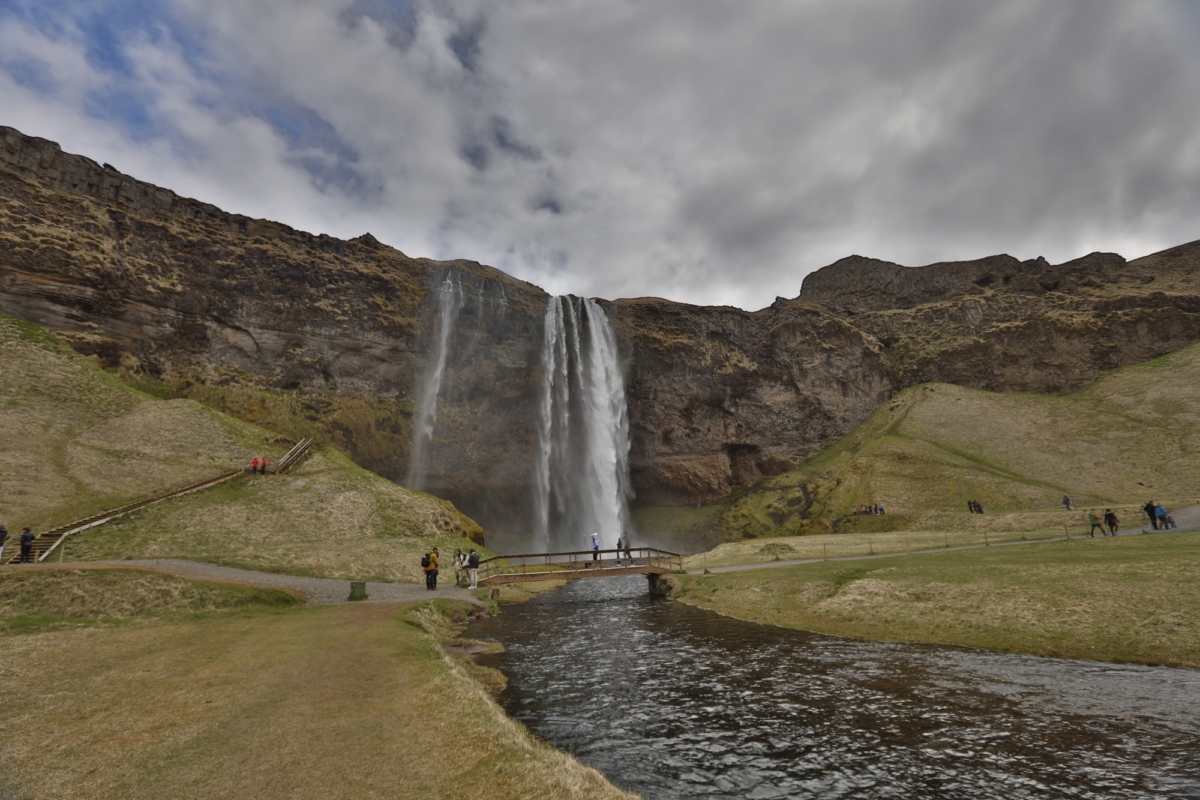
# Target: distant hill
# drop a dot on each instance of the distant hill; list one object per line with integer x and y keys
{"x": 78, "y": 441}
{"x": 1130, "y": 436}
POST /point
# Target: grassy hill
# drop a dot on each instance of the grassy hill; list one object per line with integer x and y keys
{"x": 1128, "y": 437}
{"x": 78, "y": 441}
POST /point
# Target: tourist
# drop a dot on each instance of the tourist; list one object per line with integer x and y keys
{"x": 473, "y": 569}
{"x": 970, "y": 506}
{"x": 3, "y": 539}
{"x": 628, "y": 552}
{"x": 978, "y": 507}
{"x": 26, "y": 545}
{"x": 882, "y": 510}
{"x": 1149, "y": 509}
{"x": 254, "y": 466}
{"x": 1110, "y": 519}
{"x": 262, "y": 465}
{"x": 430, "y": 563}
{"x": 1161, "y": 513}
{"x": 1066, "y": 501}
{"x": 460, "y": 564}
{"x": 1094, "y": 523}
{"x": 595, "y": 547}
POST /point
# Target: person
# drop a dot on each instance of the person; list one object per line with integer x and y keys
{"x": 262, "y": 465}
{"x": 473, "y": 569}
{"x": 978, "y": 507}
{"x": 595, "y": 547}
{"x": 628, "y": 552}
{"x": 882, "y": 510}
{"x": 1149, "y": 509}
{"x": 1162, "y": 515}
{"x": 431, "y": 568}
{"x": 970, "y": 506}
{"x": 3, "y": 539}
{"x": 1110, "y": 519}
{"x": 26, "y": 545}
{"x": 1094, "y": 523}
{"x": 1066, "y": 501}
{"x": 460, "y": 565}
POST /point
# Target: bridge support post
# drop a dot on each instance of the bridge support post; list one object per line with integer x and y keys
{"x": 660, "y": 585}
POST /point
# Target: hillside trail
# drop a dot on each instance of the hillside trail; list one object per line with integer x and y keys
{"x": 1186, "y": 519}
{"x": 317, "y": 591}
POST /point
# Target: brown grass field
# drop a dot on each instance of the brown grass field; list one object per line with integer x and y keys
{"x": 266, "y": 701}
{"x": 1132, "y": 599}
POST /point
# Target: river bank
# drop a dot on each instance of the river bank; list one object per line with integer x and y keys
{"x": 1127, "y": 599}
{"x": 158, "y": 686}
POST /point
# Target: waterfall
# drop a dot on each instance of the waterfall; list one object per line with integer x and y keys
{"x": 582, "y": 473}
{"x": 450, "y": 302}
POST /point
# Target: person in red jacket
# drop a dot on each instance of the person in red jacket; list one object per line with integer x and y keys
{"x": 254, "y": 465}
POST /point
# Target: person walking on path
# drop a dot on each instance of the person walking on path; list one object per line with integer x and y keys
{"x": 1066, "y": 501}
{"x": 473, "y": 568}
{"x": 970, "y": 506}
{"x": 1163, "y": 516}
{"x": 27, "y": 545}
{"x": 1149, "y": 509}
{"x": 1110, "y": 519}
{"x": 430, "y": 564}
{"x": 3, "y": 539}
{"x": 1094, "y": 523}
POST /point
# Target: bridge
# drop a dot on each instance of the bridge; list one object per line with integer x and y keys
{"x": 648, "y": 561}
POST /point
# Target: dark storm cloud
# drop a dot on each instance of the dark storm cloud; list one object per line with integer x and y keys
{"x": 709, "y": 151}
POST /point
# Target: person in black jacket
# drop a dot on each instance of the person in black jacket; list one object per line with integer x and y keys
{"x": 3, "y": 539}
{"x": 1149, "y": 509}
{"x": 26, "y": 545}
{"x": 473, "y": 568}
{"x": 1110, "y": 519}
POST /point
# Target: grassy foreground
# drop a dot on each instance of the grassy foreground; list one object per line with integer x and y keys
{"x": 349, "y": 701}
{"x": 1134, "y": 599}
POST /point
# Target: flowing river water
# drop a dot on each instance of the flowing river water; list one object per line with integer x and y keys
{"x": 672, "y": 701}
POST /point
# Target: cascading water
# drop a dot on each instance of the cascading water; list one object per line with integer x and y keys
{"x": 582, "y": 473}
{"x": 450, "y": 302}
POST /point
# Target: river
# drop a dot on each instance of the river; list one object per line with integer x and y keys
{"x": 672, "y": 701}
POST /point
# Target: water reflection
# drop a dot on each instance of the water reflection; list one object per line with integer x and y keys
{"x": 673, "y": 702}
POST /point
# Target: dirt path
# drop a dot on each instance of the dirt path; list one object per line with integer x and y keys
{"x": 1187, "y": 519}
{"x": 318, "y": 591}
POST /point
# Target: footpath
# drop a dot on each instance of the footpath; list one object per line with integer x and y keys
{"x": 317, "y": 591}
{"x": 1186, "y": 519}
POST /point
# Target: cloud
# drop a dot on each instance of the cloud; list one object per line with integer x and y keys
{"x": 694, "y": 149}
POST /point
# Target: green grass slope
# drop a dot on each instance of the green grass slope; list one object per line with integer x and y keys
{"x": 79, "y": 441}
{"x": 1130, "y": 436}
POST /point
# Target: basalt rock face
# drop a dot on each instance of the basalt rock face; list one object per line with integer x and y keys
{"x": 215, "y": 304}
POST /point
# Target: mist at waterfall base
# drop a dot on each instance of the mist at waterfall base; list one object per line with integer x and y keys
{"x": 581, "y": 483}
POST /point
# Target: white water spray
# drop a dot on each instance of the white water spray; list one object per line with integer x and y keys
{"x": 450, "y": 302}
{"x": 582, "y": 477}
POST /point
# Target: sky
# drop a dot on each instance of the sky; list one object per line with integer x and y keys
{"x": 709, "y": 152}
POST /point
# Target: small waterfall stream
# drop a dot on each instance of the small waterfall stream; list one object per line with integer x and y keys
{"x": 582, "y": 472}
{"x": 450, "y": 303}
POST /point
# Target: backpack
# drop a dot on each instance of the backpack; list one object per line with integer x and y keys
{"x": 425, "y": 561}
{"x": 473, "y": 560}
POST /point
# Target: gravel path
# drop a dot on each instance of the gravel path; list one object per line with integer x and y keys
{"x": 319, "y": 591}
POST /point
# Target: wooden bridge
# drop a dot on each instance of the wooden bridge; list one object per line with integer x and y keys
{"x": 648, "y": 561}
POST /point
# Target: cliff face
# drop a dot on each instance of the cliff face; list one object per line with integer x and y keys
{"x": 342, "y": 333}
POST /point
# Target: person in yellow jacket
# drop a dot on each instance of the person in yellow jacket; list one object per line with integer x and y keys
{"x": 430, "y": 565}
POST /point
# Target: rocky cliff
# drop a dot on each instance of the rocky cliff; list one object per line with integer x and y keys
{"x": 337, "y": 335}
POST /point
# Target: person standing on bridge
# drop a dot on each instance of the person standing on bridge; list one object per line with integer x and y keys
{"x": 596, "y": 548}
{"x": 27, "y": 545}
{"x": 628, "y": 553}
{"x": 473, "y": 568}
{"x": 3, "y": 539}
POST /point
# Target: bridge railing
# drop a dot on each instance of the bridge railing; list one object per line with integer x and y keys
{"x": 570, "y": 561}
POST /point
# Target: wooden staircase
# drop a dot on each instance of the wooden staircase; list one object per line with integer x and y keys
{"x": 45, "y": 542}
{"x": 294, "y": 455}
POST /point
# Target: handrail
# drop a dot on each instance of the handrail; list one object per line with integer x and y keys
{"x": 580, "y": 563}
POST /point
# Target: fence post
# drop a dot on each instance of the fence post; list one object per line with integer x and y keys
{"x": 871, "y": 545}
{"x": 986, "y": 543}
{"x": 946, "y": 534}
{"x": 62, "y": 548}
{"x": 1067, "y": 531}
{"x": 825, "y": 550}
